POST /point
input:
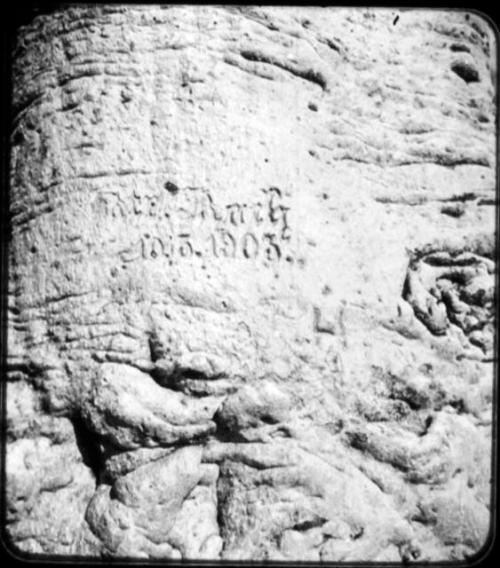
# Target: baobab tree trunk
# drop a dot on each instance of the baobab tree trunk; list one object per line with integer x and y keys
{"x": 251, "y": 283}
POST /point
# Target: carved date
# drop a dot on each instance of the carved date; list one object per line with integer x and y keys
{"x": 221, "y": 244}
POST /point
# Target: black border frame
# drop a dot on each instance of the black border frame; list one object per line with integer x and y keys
{"x": 23, "y": 13}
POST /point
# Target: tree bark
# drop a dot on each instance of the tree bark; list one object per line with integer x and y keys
{"x": 251, "y": 283}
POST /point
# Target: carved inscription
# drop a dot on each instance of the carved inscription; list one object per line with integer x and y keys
{"x": 189, "y": 223}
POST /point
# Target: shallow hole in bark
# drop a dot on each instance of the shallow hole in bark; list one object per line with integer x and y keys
{"x": 466, "y": 72}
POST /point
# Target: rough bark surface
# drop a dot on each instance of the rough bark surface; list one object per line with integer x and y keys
{"x": 252, "y": 278}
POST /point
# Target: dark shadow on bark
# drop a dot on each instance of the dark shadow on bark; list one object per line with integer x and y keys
{"x": 88, "y": 447}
